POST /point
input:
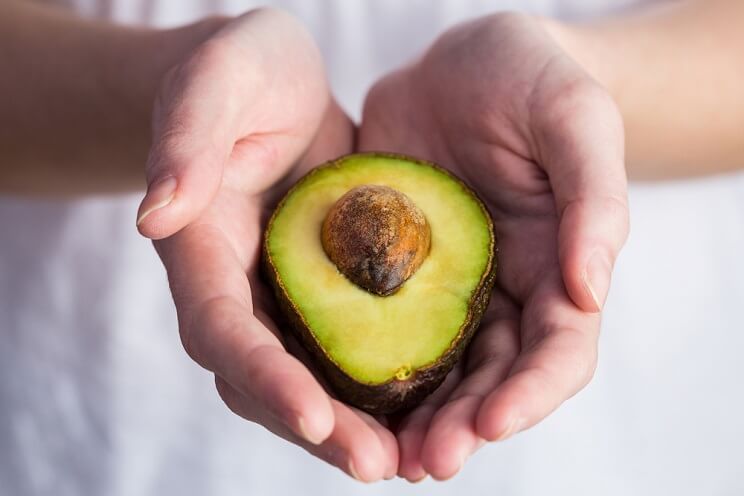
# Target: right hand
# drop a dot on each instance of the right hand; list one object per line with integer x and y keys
{"x": 499, "y": 103}
{"x": 241, "y": 119}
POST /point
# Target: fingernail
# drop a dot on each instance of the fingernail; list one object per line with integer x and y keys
{"x": 420, "y": 479}
{"x": 158, "y": 196}
{"x": 353, "y": 472}
{"x": 514, "y": 426}
{"x": 316, "y": 440}
{"x": 597, "y": 278}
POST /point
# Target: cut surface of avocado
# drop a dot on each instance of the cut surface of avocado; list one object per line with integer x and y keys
{"x": 377, "y": 339}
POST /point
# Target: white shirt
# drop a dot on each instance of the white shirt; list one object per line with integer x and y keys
{"x": 97, "y": 396}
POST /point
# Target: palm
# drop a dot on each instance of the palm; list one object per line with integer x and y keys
{"x": 230, "y": 327}
{"x": 497, "y": 103}
{"x": 217, "y": 131}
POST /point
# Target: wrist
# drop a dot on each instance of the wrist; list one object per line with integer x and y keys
{"x": 154, "y": 52}
{"x": 134, "y": 65}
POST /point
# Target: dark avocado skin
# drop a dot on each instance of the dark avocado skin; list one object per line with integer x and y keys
{"x": 394, "y": 395}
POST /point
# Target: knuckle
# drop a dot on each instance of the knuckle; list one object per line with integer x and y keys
{"x": 275, "y": 14}
{"x": 614, "y": 228}
{"x": 380, "y": 92}
{"x": 214, "y": 54}
{"x": 209, "y": 315}
{"x": 580, "y": 103}
{"x": 586, "y": 365}
{"x": 615, "y": 206}
{"x": 188, "y": 341}
{"x": 232, "y": 400}
{"x": 579, "y": 363}
{"x": 224, "y": 390}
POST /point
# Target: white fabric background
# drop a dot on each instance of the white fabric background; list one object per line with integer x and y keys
{"x": 97, "y": 396}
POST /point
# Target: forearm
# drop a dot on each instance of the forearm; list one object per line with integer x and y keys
{"x": 676, "y": 71}
{"x": 77, "y": 98}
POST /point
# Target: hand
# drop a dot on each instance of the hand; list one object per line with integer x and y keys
{"x": 501, "y": 105}
{"x": 236, "y": 123}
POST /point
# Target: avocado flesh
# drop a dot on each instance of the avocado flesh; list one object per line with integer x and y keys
{"x": 375, "y": 340}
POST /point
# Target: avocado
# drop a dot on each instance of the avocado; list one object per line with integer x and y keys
{"x": 383, "y": 266}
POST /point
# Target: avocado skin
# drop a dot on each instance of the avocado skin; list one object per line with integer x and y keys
{"x": 394, "y": 395}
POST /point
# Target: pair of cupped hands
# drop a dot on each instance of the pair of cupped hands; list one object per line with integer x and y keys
{"x": 497, "y": 102}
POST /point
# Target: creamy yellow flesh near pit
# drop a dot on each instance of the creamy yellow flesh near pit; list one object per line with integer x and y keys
{"x": 373, "y": 338}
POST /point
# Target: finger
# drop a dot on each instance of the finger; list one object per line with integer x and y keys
{"x": 355, "y": 446}
{"x": 379, "y": 425}
{"x": 220, "y": 332}
{"x": 334, "y": 138}
{"x": 387, "y": 441}
{"x": 192, "y": 140}
{"x": 410, "y": 439}
{"x": 412, "y": 430}
{"x": 368, "y": 459}
{"x": 490, "y": 357}
{"x": 558, "y": 357}
{"x": 581, "y": 145}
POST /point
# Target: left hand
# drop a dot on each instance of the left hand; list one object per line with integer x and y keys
{"x": 246, "y": 114}
{"x": 501, "y": 105}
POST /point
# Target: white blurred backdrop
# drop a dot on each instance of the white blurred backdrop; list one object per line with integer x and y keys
{"x": 97, "y": 396}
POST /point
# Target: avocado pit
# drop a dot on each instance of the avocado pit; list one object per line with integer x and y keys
{"x": 377, "y": 237}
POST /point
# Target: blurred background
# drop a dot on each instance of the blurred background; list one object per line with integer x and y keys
{"x": 98, "y": 397}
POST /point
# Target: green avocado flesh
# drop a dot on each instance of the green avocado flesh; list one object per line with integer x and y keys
{"x": 377, "y": 339}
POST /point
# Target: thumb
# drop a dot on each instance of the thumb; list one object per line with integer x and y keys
{"x": 185, "y": 178}
{"x": 583, "y": 150}
{"x": 192, "y": 141}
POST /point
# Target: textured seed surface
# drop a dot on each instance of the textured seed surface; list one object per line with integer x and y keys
{"x": 377, "y": 237}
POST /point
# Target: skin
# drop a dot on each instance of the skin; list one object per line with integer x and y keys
{"x": 529, "y": 111}
{"x": 216, "y": 85}
{"x": 226, "y": 176}
{"x": 79, "y": 117}
{"x": 675, "y": 71}
{"x": 63, "y": 134}
{"x": 500, "y": 105}
{"x": 221, "y": 159}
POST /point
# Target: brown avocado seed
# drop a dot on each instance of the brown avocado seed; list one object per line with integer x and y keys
{"x": 377, "y": 237}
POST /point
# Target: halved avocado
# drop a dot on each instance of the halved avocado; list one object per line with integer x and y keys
{"x": 383, "y": 265}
